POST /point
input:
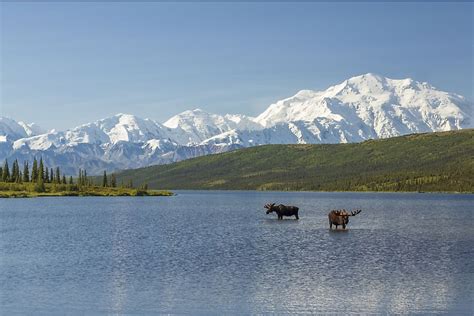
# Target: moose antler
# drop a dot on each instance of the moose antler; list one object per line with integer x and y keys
{"x": 343, "y": 212}
{"x": 354, "y": 213}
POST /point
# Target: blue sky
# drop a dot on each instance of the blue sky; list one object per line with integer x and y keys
{"x": 64, "y": 64}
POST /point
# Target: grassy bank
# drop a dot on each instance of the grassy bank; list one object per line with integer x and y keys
{"x": 23, "y": 190}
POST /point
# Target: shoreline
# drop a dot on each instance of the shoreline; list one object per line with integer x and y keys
{"x": 155, "y": 193}
{"x": 131, "y": 193}
{"x": 325, "y": 191}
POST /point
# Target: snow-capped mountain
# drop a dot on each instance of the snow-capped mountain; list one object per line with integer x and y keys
{"x": 360, "y": 108}
{"x": 11, "y": 130}
{"x": 194, "y": 127}
{"x": 109, "y": 131}
{"x": 120, "y": 142}
{"x": 298, "y": 132}
{"x": 370, "y": 106}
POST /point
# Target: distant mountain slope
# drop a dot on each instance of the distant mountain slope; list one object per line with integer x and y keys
{"x": 360, "y": 108}
{"x": 441, "y": 161}
{"x": 194, "y": 127}
{"x": 10, "y": 130}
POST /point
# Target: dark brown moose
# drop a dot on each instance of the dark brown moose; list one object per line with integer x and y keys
{"x": 341, "y": 217}
{"x": 282, "y": 210}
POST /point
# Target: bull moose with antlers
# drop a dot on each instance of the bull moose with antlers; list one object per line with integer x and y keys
{"x": 282, "y": 210}
{"x": 341, "y": 217}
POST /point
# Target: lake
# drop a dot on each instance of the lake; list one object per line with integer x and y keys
{"x": 218, "y": 252}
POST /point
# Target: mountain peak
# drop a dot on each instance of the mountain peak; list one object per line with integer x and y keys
{"x": 124, "y": 115}
{"x": 14, "y": 130}
{"x": 367, "y": 79}
{"x": 382, "y": 107}
{"x": 32, "y": 129}
{"x": 371, "y": 75}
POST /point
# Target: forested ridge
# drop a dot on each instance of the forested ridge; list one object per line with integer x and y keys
{"x": 418, "y": 162}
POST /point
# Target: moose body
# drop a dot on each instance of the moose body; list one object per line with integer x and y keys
{"x": 340, "y": 217}
{"x": 282, "y": 210}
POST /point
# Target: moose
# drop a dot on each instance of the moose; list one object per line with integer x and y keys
{"x": 340, "y": 217}
{"x": 282, "y": 210}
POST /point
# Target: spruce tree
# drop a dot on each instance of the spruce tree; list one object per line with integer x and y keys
{"x": 34, "y": 171}
{"x": 39, "y": 186}
{"x": 46, "y": 175}
{"x": 70, "y": 180}
{"x": 17, "y": 172}
{"x": 1, "y": 173}
{"x": 14, "y": 174}
{"x": 26, "y": 172}
{"x": 64, "y": 179}
{"x": 113, "y": 180}
{"x": 104, "y": 180}
{"x": 79, "y": 178}
{"x": 58, "y": 175}
{"x": 41, "y": 169}
{"x": 6, "y": 172}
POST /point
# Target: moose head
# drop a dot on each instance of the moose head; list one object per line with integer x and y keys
{"x": 341, "y": 217}
{"x": 345, "y": 213}
{"x": 269, "y": 207}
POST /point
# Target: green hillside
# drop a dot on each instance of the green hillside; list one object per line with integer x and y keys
{"x": 420, "y": 162}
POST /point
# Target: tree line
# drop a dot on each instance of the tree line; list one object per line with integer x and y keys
{"x": 39, "y": 174}
{"x": 111, "y": 182}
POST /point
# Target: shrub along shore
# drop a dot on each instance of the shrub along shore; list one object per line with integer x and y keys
{"x": 15, "y": 190}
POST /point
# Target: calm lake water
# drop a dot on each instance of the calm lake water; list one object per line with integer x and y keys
{"x": 217, "y": 252}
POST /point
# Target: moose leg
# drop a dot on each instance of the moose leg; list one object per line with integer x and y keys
{"x": 296, "y": 215}
{"x": 330, "y": 225}
{"x": 343, "y": 226}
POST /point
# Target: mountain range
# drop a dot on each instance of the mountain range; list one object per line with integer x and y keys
{"x": 360, "y": 108}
